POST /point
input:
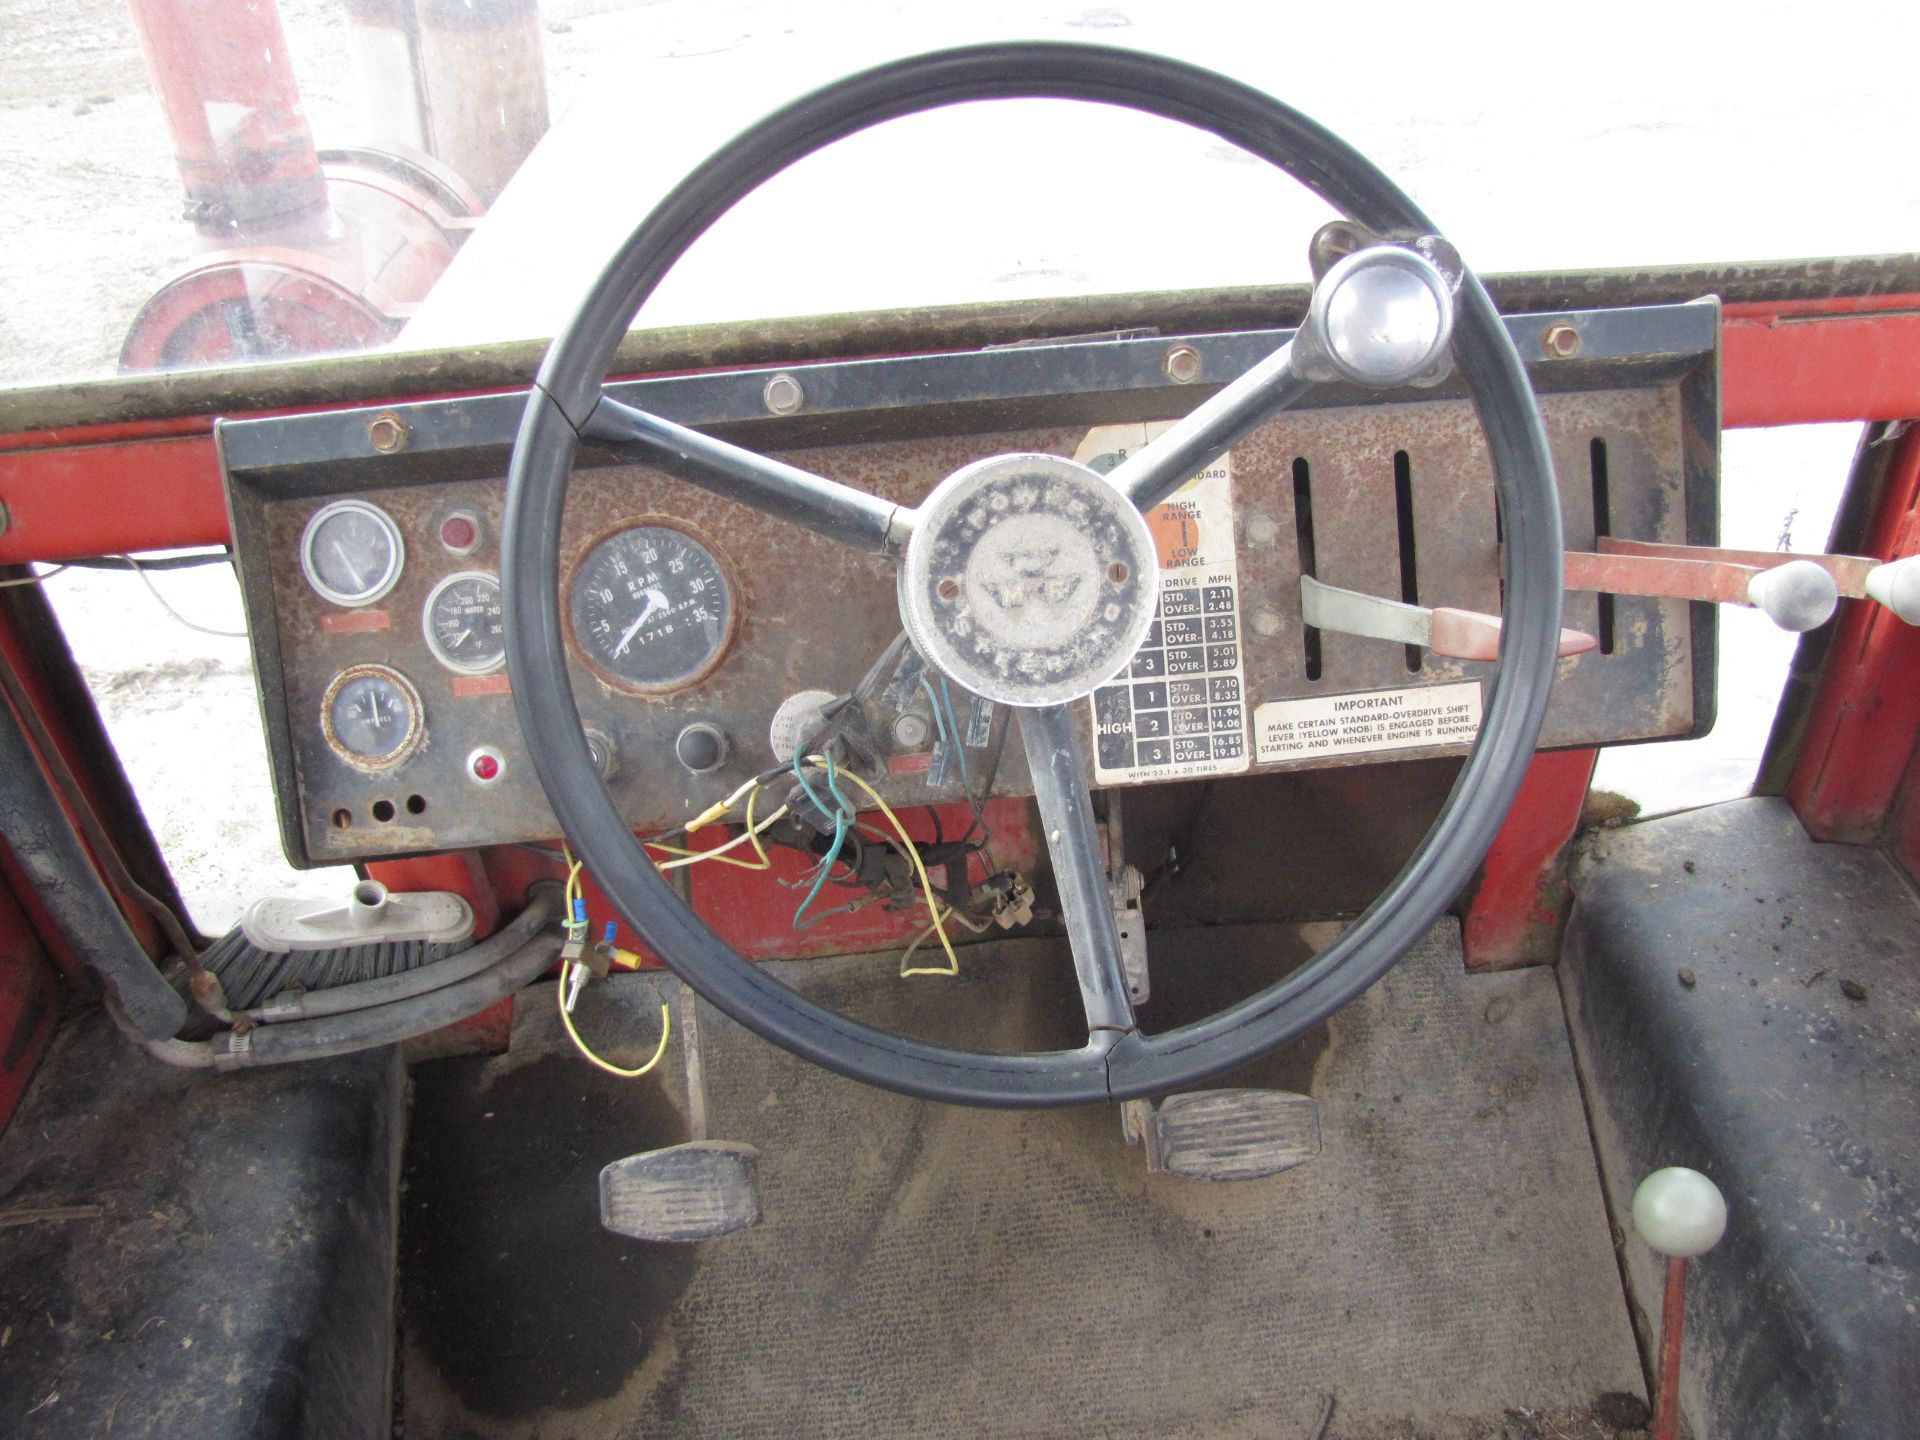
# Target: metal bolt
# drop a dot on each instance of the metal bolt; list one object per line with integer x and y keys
{"x": 1183, "y": 365}
{"x": 911, "y": 731}
{"x": 1266, "y": 622}
{"x": 388, "y": 433}
{"x": 948, "y": 588}
{"x": 1561, "y": 341}
{"x": 1261, "y": 528}
{"x": 1118, "y": 572}
{"x": 784, "y": 395}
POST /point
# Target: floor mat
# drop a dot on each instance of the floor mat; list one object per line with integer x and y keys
{"x": 1443, "y": 1269}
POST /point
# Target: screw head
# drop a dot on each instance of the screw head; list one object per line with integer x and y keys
{"x": 1183, "y": 365}
{"x": 389, "y": 434}
{"x": 1262, "y": 529}
{"x": 948, "y": 589}
{"x": 1118, "y": 572}
{"x": 1266, "y": 622}
{"x": 1561, "y": 341}
{"x": 783, "y": 395}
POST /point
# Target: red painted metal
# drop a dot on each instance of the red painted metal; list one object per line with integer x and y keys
{"x": 1673, "y": 1317}
{"x": 1518, "y": 906}
{"x": 459, "y": 871}
{"x": 1851, "y": 358}
{"x": 127, "y": 495}
{"x": 1849, "y": 572}
{"x": 1860, "y": 740}
{"x": 226, "y": 82}
{"x": 753, "y": 910}
{"x": 29, "y": 1004}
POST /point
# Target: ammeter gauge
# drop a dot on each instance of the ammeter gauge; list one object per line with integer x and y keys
{"x": 464, "y": 625}
{"x": 652, "y": 608}
{"x": 351, "y": 552}
{"x": 372, "y": 717}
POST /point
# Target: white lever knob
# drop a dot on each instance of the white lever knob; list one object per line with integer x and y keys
{"x": 1679, "y": 1212}
{"x": 1796, "y": 596}
{"x": 1896, "y": 585}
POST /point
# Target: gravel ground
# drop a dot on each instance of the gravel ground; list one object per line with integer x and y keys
{"x": 1701, "y": 141}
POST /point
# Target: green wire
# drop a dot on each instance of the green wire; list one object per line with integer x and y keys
{"x": 841, "y": 811}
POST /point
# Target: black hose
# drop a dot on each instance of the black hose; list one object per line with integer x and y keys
{"x": 379, "y": 1025}
{"x": 543, "y": 908}
{"x": 64, "y": 880}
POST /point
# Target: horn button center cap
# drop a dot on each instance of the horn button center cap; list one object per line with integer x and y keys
{"x": 1029, "y": 579}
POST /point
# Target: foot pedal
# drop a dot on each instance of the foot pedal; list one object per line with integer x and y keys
{"x": 698, "y": 1191}
{"x": 1225, "y": 1134}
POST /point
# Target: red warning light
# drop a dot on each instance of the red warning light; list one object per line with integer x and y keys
{"x": 458, "y": 532}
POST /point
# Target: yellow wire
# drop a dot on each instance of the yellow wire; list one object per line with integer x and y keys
{"x": 666, "y": 1029}
{"x": 917, "y": 942}
{"x": 751, "y": 834}
{"x": 560, "y": 992}
{"x": 912, "y": 852}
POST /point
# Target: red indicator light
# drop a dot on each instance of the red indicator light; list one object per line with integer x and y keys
{"x": 457, "y": 532}
{"x": 486, "y": 767}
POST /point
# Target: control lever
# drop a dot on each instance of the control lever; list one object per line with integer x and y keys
{"x": 1796, "y": 595}
{"x": 1894, "y": 583}
{"x": 1455, "y": 634}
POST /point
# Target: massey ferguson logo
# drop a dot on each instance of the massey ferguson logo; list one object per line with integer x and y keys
{"x": 1018, "y": 577}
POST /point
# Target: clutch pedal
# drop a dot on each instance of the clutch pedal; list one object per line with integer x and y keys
{"x": 1225, "y": 1134}
{"x": 697, "y": 1191}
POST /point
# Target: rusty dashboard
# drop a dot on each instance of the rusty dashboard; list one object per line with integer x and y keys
{"x": 703, "y": 636}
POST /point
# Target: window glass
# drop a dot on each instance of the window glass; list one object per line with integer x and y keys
{"x": 258, "y": 180}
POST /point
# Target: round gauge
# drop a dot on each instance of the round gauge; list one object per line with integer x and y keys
{"x": 372, "y": 717}
{"x": 351, "y": 552}
{"x": 652, "y": 608}
{"x": 464, "y": 624}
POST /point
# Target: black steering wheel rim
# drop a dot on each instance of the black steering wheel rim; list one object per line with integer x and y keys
{"x": 569, "y": 386}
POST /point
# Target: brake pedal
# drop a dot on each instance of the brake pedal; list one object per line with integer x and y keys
{"x": 697, "y": 1191}
{"x": 1225, "y": 1134}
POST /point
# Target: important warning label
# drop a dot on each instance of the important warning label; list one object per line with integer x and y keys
{"x": 1369, "y": 721}
{"x": 1180, "y": 709}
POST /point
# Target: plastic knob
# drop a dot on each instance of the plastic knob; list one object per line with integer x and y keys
{"x": 1796, "y": 596}
{"x": 701, "y": 747}
{"x": 1896, "y": 585}
{"x": 1679, "y": 1212}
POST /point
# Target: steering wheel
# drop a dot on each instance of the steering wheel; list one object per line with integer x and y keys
{"x": 1036, "y": 610}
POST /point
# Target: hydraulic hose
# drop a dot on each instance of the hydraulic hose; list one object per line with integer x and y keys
{"x": 388, "y": 989}
{"x": 526, "y": 948}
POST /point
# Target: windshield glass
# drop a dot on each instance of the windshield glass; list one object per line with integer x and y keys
{"x": 199, "y": 182}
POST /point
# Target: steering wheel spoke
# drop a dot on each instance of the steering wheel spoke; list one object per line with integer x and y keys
{"x": 784, "y": 491}
{"x": 1150, "y": 475}
{"x": 1381, "y": 317}
{"x": 1058, "y": 766}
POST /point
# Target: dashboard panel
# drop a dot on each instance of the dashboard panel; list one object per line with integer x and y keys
{"x": 701, "y": 632}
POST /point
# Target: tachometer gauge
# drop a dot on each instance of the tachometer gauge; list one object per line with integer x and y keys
{"x": 372, "y": 717}
{"x": 652, "y": 608}
{"x": 464, "y": 625}
{"x": 351, "y": 552}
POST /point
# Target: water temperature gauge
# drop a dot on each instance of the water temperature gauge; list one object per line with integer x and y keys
{"x": 372, "y": 717}
{"x": 464, "y": 624}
